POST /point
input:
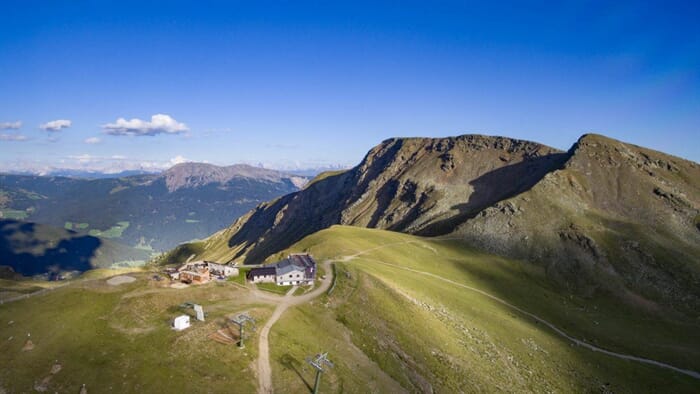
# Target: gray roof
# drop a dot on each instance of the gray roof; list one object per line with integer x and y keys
{"x": 295, "y": 262}
{"x": 302, "y": 260}
{"x": 285, "y": 267}
{"x": 261, "y": 271}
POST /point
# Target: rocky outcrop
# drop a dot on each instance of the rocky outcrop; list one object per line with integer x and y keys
{"x": 603, "y": 217}
{"x": 418, "y": 185}
{"x": 616, "y": 218}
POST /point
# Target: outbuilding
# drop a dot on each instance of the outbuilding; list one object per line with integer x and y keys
{"x": 181, "y": 322}
{"x": 262, "y": 274}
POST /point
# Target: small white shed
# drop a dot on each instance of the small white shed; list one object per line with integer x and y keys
{"x": 181, "y": 322}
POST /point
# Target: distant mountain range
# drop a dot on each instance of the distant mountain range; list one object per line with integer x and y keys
{"x": 605, "y": 216}
{"x": 151, "y": 211}
{"x": 100, "y": 174}
{"x": 94, "y": 174}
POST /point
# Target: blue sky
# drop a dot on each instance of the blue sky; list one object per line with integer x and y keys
{"x": 292, "y": 84}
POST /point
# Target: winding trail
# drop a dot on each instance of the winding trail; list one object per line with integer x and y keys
{"x": 623, "y": 356}
{"x": 29, "y": 295}
{"x": 288, "y": 300}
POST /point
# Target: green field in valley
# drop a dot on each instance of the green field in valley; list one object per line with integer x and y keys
{"x": 113, "y": 232}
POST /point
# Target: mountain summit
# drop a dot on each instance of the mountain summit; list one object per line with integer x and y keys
{"x": 192, "y": 175}
{"x": 604, "y": 216}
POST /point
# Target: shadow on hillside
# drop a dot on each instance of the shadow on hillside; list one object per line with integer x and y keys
{"x": 385, "y": 195}
{"x": 290, "y": 218}
{"x": 287, "y": 220}
{"x": 603, "y": 320}
{"x": 498, "y": 185}
{"x": 23, "y": 249}
{"x": 289, "y": 362}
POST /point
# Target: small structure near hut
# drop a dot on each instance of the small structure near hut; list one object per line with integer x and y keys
{"x": 262, "y": 274}
{"x": 181, "y": 322}
{"x": 200, "y": 272}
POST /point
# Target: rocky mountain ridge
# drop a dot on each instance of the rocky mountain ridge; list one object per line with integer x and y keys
{"x": 414, "y": 185}
{"x": 616, "y": 218}
{"x": 603, "y": 217}
{"x": 191, "y": 175}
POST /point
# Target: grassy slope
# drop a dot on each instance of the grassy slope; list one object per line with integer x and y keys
{"x": 118, "y": 339}
{"x": 423, "y": 331}
{"x": 323, "y": 176}
{"x": 387, "y": 329}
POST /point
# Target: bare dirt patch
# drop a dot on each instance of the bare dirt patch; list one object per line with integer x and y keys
{"x": 223, "y": 336}
{"x": 28, "y": 346}
{"x": 120, "y": 280}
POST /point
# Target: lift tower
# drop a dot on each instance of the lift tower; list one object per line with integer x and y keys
{"x": 241, "y": 320}
{"x": 318, "y": 362}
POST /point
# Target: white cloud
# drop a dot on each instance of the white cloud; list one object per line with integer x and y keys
{"x": 56, "y": 125}
{"x": 85, "y": 158}
{"x": 10, "y": 125}
{"x": 159, "y": 124}
{"x": 93, "y": 140}
{"x": 178, "y": 160}
{"x": 113, "y": 163}
{"x": 12, "y": 137}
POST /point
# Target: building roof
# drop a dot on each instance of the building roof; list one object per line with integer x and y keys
{"x": 285, "y": 267}
{"x": 262, "y": 271}
{"x": 302, "y": 260}
{"x": 295, "y": 262}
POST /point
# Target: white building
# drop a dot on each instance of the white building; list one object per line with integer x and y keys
{"x": 289, "y": 274}
{"x": 296, "y": 269}
{"x": 181, "y": 322}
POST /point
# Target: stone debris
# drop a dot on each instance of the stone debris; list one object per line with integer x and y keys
{"x": 43, "y": 385}
{"x": 28, "y": 346}
{"x": 56, "y": 368}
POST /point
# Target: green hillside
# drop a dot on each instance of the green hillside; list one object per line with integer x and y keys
{"x": 406, "y": 314}
{"x": 433, "y": 329}
{"x": 118, "y": 339}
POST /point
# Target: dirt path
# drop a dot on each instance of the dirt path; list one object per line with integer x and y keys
{"x": 551, "y": 326}
{"x": 33, "y": 294}
{"x": 560, "y": 332}
{"x": 55, "y": 287}
{"x": 286, "y": 301}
